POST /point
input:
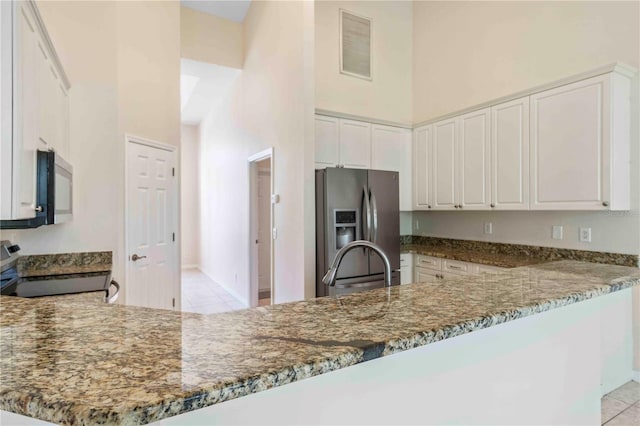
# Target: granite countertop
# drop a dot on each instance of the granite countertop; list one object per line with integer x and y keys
{"x": 73, "y": 363}
{"x": 465, "y": 255}
{"x": 42, "y": 265}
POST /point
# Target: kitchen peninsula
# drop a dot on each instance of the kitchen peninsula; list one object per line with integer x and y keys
{"x": 523, "y": 344}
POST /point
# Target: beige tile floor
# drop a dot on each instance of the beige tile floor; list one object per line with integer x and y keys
{"x": 622, "y": 406}
{"x": 200, "y": 294}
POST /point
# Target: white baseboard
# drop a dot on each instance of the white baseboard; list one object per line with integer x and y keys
{"x": 636, "y": 376}
{"x": 230, "y": 291}
{"x": 190, "y": 267}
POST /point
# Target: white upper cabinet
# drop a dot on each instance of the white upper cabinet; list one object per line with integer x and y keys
{"x": 26, "y": 104}
{"x": 391, "y": 150}
{"x": 580, "y": 145}
{"x": 444, "y": 165}
{"x": 35, "y": 106}
{"x": 327, "y": 141}
{"x": 474, "y": 154}
{"x": 510, "y": 155}
{"x": 355, "y": 144}
{"x": 422, "y": 168}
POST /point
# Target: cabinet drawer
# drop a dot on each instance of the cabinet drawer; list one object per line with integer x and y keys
{"x": 456, "y": 267}
{"x": 428, "y": 262}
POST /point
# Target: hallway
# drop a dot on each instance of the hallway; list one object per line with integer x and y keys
{"x": 200, "y": 294}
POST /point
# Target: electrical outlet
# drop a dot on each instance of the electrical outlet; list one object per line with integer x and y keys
{"x": 585, "y": 235}
{"x": 488, "y": 228}
{"x": 556, "y": 232}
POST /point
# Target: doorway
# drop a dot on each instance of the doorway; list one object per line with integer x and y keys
{"x": 151, "y": 224}
{"x": 261, "y": 213}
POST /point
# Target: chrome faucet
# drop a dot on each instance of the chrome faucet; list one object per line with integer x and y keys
{"x": 330, "y": 277}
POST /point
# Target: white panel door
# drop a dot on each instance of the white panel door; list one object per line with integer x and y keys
{"x": 355, "y": 144}
{"x": 474, "y": 149}
{"x": 510, "y": 154}
{"x": 327, "y": 141}
{"x": 152, "y": 279}
{"x": 422, "y": 168}
{"x": 264, "y": 229}
{"x": 569, "y": 155}
{"x": 391, "y": 150}
{"x": 444, "y": 165}
{"x": 26, "y": 133}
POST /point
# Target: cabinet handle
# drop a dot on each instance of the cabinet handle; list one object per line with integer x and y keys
{"x": 493, "y": 205}
{"x": 605, "y": 203}
{"x": 454, "y": 267}
{"x": 429, "y": 206}
{"x": 39, "y": 209}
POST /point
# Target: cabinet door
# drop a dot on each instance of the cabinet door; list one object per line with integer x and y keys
{"x": 25, "y": 117}
{"x": 444, "y": 165}
{"x": 422, "y": 168}
{"x": 474, "y": 153}
{"x": 63, "y": 121}
{"x": 46, "y": 92}
{"x": 391, "y": 150}
{"x": 569, "y": 170}
{"x": 355, "y": 144}
{"x": 326, "y": 143}
{"x": 425, "y": 275}
{"x": 510, "y": 154}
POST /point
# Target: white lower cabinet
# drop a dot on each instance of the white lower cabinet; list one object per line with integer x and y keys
{"x": 429, "y": 269}
{"x": 406, "y": 268}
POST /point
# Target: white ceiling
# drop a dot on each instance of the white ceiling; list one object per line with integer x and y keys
{"x": 202, "y": 87}
{"x": 234, "y": 10}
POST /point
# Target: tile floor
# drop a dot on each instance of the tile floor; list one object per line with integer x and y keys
{"x": 200, "y": 294}
{"x": 622, "y": 406}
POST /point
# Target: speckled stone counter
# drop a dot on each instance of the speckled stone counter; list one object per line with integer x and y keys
{"x": 64, "y": 264}
{"x": 507, "y": 255}
{"x": 107, "y": 364}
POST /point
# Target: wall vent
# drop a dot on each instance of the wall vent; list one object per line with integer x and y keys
{"x": 355, "y": 45}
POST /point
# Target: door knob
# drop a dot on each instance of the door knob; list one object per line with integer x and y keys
{"x": 135, "y": 257}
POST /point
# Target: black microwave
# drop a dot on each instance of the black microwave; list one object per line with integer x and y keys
{"x": 54, "y": 193}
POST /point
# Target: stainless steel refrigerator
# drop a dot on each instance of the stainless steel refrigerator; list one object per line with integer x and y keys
{"x": 356, "y": 204}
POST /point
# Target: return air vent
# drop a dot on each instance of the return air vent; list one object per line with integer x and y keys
{"x": 355, "y": 45}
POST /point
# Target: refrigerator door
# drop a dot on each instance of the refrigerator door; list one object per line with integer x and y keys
{"x": 345, "y": 208}
{"x": 385, "y": 207}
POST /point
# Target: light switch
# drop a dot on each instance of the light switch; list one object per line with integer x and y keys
{"x": 275, "y": 198}
{"x": 275, "y": 233}
{"x": 556, "y": 232}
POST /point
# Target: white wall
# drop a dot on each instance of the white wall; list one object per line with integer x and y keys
{"x": 388, "y": 95}
{"x": 209, "y": 38}
{"x": 190, "y": 195}
{"x": 123, "y": 61}
{"x": 269, "y": 105}
{"x": 465, "y": 53}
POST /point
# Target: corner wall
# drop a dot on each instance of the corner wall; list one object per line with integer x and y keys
{"x": 270, "y": 105}
{"x": 123, "y": 62}
{"x": 189, "y": 195}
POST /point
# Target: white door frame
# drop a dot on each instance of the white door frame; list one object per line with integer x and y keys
{"x": 253, "y": 252}
{"x": 175, "y": 252}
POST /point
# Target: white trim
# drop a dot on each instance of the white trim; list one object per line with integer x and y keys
{"x": 617, "y": 67}
{"x": 635, "y": 376}
{"x": 148, "y": 142}
{"x": 343, "y": 115}
{"x": 129, "y": 139}
{"x": 252, "y": 171}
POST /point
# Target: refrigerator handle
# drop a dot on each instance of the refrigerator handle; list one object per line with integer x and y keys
{"x": 374, "y": 217}
{"x": 366, "y": 215}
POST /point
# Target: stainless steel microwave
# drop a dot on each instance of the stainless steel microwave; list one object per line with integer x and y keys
{"x": 54, "y": 193}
